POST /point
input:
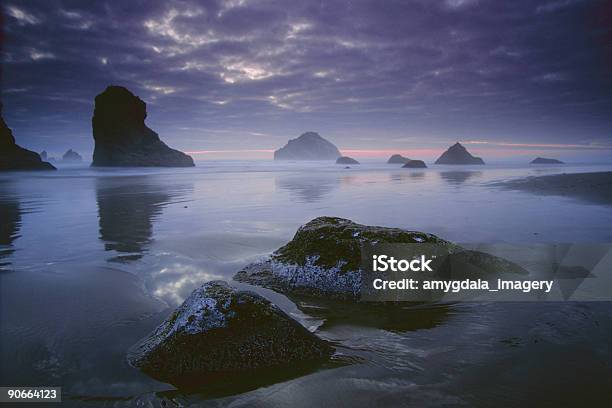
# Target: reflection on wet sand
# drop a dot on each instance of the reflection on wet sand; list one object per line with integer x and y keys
{"x": 307, "y": 189}
{"x": 458, "y": 177}
{"x": 127, "y": 208}
{"x": 412, "y": 175}
{"x": 10, "y": 224}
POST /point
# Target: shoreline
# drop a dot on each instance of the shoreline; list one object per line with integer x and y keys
{"x": 593, "y": 187}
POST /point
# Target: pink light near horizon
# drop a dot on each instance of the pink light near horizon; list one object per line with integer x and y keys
{"x": 541, "y": 145}
{"x": 478, "y": 148}
{"x": 196, "y": 152}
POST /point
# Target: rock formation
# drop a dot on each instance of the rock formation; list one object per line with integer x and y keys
{"x": 397, "y": 159}
{"x": 123, "y": 139}
{"x": 309, "y": 146}
{"x": 15, "y": 157}
{"x": 415, "y": 164}
{"x": 542, "y": 160}
{"x": 43, "y": 155}
{"x": 72, "y": 156}
{"x": 219, "y": 333}
{"x": 346, "y": 160}
{"x": 457, "y": 154}
{"x": 324, "y": 258}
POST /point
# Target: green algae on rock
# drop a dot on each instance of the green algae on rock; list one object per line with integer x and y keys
{"x": 324, "y": 258}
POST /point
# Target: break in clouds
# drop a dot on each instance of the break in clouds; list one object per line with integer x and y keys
{"x": 248, "y": 75}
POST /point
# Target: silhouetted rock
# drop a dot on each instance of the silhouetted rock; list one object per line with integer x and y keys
{"x": 346, "y": 160}
{"x": 324, "y": 258}
{"x": 309, "y": 146}
{"x": 123, "y": 139}
{"x": 415, "y": 164}
{"x": 72, "y": 156}
{"x": 397, "y": 159}
{"x": 15, "y": 157}
{"x": 542, "y": 160}
{"x": 219, "y": 333}
{"x": 457, "y": 154}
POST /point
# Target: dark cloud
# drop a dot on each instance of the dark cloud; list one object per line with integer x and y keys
{"x": 250, "y": 74}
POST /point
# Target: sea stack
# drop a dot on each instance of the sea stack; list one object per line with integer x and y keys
{"x": 15, "y": 157}
{"x": 72, "y": 156}
{"x": 123, "y": 139}
{"x": 543, "y": 160}
{"x": 397, "y": 159}
{"x": 220, "y": 333}
{"x": 457, "y": 154}
{"x": 309, "y": 146}
{"x": 415, "y": 164}
{"x": 346, "y": 160}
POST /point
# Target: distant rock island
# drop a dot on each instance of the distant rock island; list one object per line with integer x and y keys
{"x": 45, "y": 157}
{"x": 346, "y": 160}
{"x": 123, "y": 139}
{"x": 415, "y": 164}
{"x": 543, "y": 160}
{"x": 397, "y": 159}
{"x": 15, "y": 157}
{"x": 309, "y": 146}
{"x": 72, "y": 156}
{"x": 457, "y": 154}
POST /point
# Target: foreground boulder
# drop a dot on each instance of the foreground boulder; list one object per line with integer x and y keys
{"x": 123, "y": 139}
{"x": 346, "y": 160}
{"x": 397, "y": 159}
{"x": 15, "y": 157}
{"x": 542, "y": 160}
{"x": 415, "y": 164}
{"x": 72, "y": 156}
{"x": 324, "y": 258}
{"x": 457, "y": 154}
{"x": 309, "y": 146}
{"x": 220, "y": 332}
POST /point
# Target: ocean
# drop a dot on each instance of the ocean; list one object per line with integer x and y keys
{"x": 92, "y": 260}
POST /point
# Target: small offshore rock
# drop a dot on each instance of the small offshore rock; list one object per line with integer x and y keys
{"x": 397, "y": 159}
{"x": 72, "y": 156}
{"x": 346, "y": 160}
{"x": 415, "y": 164}
{"x": 543, "y": 160}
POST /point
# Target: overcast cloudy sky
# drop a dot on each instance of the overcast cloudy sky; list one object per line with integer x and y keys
{"x": 516, "y": 77}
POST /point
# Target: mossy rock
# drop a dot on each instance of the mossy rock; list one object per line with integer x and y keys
{"x": 220, "y": 333}
{"x": 324, "y": 258}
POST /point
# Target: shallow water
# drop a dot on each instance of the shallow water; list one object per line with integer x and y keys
{"x": 92, "y": 260}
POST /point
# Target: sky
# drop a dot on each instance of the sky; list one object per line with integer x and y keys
{"x": 238, "y": 78}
